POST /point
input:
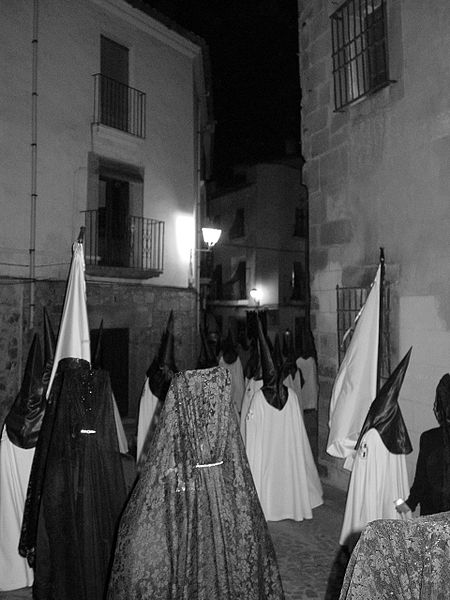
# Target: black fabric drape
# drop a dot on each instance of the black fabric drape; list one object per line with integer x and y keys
{"x": 77, "y": 488}
{"x": 194, "y": 528}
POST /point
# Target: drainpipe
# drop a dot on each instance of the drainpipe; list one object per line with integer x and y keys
{"x": 198, "y": 219}
{"x": 32, "y": 249}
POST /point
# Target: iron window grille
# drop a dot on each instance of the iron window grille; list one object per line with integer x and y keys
{"x": 349, "y": 301}
{"x": 360, "y": 50}
{"x": 119, "y": 106}
{"x": 130, "y": 242}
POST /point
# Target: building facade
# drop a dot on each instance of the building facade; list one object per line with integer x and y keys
{"x": 106, "y": 124}
{"x": 376, "y": 143}
{"x": 262, "y": 247}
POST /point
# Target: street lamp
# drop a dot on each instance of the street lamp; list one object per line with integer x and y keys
{"x": 256, "y": 295}
{"x": 211, "y": 236}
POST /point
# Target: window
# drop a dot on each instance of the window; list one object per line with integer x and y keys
{"x": 349, "y": 301}
{"x": 300, "y": 222}
{"x": 117, "y": 235}
{"x": 360, "y": 50}
{"x": 236, "y": 287}
{"x": 113, "y": 357}
{"x": 298, "y": 282}
{"x": 116, "y": 103}
{"x": 237, "y": 229}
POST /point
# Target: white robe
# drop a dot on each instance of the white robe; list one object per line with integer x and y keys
{"x": 378, "y": 479}
{"x": 310, "y": 389}
{"x": 15, "y": 467}
{"x": 147, "y": 408}
{"x": 237, "y": 381}
{"x": 295, "y": 384}
{"x": 281, "y": 460}
{"x": 251, "y": 386}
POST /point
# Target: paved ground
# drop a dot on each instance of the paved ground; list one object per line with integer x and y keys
{"x": 307, "y": 551}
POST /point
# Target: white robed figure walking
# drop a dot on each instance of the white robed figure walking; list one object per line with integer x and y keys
{"x": 379, "y": 477}
{"x": 18, "y": 441}
{"x": 278, "y": 448}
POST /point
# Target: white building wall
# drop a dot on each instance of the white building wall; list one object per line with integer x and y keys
{"x": 68, "y": 42}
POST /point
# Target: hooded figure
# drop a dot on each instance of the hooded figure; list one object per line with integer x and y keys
{"x": 292, "y": 376}
{"x": 207, "y": 358}
{"x": 431, "y": 486}
{"x": 253, "y": 382}
{"x": 307, "y": 364}
{"x": 379, "y": 476}
{"x": 231, "y": 361}
{"x": 77, "y": 489}
{"x": 18, "y": 440}
{"x": 278, "y": 448}
{"x": 156, "y": 386}
{"x": 20, "y": 436}
{"x": 193, "y": 527}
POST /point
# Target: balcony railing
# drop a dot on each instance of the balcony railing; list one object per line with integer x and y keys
{"x": 118, "y": 105}
{"x": 131, "y": 243}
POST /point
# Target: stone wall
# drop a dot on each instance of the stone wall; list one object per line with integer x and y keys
{"x": 377, "y": 175}
{"x": 142, "y": 309}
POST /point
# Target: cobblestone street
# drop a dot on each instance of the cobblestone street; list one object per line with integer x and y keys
{"x": 306, "y": 552}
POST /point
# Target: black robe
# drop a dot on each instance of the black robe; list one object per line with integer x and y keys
{"x": 76, "y": 490}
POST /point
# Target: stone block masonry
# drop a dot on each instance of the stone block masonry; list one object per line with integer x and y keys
{"x": 142, "y": 309}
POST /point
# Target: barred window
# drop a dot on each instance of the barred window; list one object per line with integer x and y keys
{"x": 349, "y": 301}
{"x": 360, "y": 50}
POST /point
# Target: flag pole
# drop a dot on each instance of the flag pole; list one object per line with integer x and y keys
{"x": 380, "y": 321}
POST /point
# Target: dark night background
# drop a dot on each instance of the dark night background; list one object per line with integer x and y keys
{"x": 253, "y": 47}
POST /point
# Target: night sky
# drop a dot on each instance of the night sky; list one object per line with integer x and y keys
{"x": 253, "y": 47}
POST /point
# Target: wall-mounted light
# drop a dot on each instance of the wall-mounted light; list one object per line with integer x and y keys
{"x": 256, "y": 296}
{"x": 211, "y": 236}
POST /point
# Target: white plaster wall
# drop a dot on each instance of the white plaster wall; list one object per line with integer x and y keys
{"x": 68, "y": 56}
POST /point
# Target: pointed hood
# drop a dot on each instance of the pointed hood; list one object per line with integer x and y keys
{"x": 97, "y": 355}
{"x": 167, "y": 349}
{"x": 385, "y": 415}
{"x": 252, "y": 325}
{"x": 24, "y": 419}
{"x": 273, "y": 389}
{"x": 253, "y": 366}
{"x": 289, "y": 365}
{"x": 206, "y": 359}
{"x": 229, "y": 353}
{"x": 277, "y": 356}
{"x": 163, "y": 367}
{"x": 49, "y": 349}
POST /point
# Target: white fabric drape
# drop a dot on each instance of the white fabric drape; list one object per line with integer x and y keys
{"x": 73, "y": 336}
{"x": 355, "y": 386}
{"x": 281, "y": 460}
{"x": 310, "y": 389}
{"x": 237, "y": 381}
{"x": 147, "y": 407}
{"x": 15, "y": 467}
{"x": 378, "y": 479}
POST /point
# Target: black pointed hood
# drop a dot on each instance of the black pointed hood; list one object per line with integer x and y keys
{"x": 253, "y": 367}
{"x": 385, "y": 415}
{"x": 49, "y": 349}
{"x": 252, "y": 325}
{"x": 97, "y": 356}
{"x": 167, "y": 349}
{"x": 289, "y": 365}
{"x": 273, "y": 389}
{"x": 276, "y": 354}
{"x": 24, "y": 419}
{"x": 229, "y": 353}
{"x": 207, "y": 358}
{"x": 162, "y": 368}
